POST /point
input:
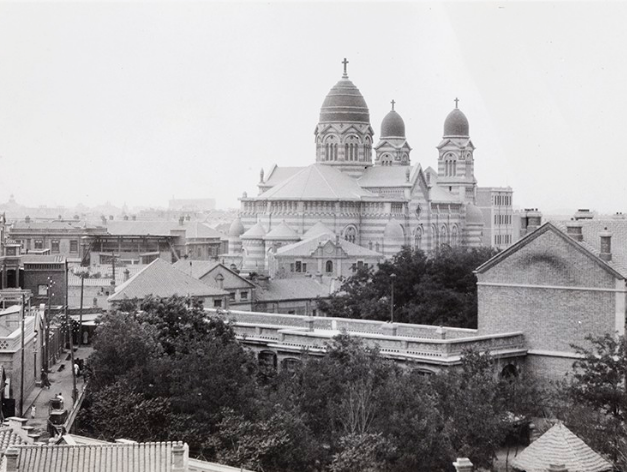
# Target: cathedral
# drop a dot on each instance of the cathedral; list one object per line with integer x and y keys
{"x": 362, "y": 200}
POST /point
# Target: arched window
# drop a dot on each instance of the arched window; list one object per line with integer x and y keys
{"x": 329, "y": 266}
{"x": 219, "y": 280}
{"x": 454, "y": 236}
{"x": 418, "y": 238}
{"x": 350, "y": 234}
{"x": 443, "y": 235}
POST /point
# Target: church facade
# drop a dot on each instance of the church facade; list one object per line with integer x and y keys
{"x": 365, "y": 192}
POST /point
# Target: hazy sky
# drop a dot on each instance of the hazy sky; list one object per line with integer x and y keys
{"x": 139, "y": 102}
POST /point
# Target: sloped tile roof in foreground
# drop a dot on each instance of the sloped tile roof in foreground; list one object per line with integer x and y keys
{"x": 560, "y": 446}
{"x": 131, "y": 457}
{"x": 8, "y": 438}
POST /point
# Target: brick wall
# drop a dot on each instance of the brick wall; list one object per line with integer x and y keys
{"x": 554, "y": 293}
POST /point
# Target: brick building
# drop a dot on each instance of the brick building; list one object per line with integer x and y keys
{"x": 557, "y": 285}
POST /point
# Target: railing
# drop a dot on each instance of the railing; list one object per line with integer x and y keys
{"x": 393, "y": 339}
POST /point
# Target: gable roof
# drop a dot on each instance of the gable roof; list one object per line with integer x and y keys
{"x": 614, "y": 269}
{"x": 118, "y": 457}
{"x": 591, "y": 240}
{"x": 317, "y": 182}
{"x": 306, "y": 247}
{"x": 560, "y": 446}
{"x": 198, "y": 269}
{"x": 161, "y": 279}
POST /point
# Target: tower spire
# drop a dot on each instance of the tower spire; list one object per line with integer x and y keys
{"x": 456, "y": 102}
{"x": 345, "y": 62}
{"x": 392, "y": 102}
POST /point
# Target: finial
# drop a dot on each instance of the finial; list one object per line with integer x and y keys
{"x": 392, "y": 102}
{"x": 345, "y": 62}
{"x": 261, "y": 175}
{"x": 456, "y": 102}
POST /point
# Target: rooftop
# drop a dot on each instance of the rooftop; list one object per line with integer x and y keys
{"x": 161, "y": 279}
{"x": 560, "y": 446}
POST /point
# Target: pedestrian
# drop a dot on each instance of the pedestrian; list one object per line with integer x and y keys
{"x": 33, "y": 412}
{"x": 76, "y": 370}
{"x": 45, "y": 382}
{"x": 60, "y": 397}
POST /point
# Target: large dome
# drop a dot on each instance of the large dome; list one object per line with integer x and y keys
{"x": 392, "y": 126}
{"x": 343, "y": 104}
{"x": 456, "y": 124}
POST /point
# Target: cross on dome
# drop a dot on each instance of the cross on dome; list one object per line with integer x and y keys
{"x": 345, "y": 62}
{"x": 392, "y": 102}
{"x": 456, "y": 102}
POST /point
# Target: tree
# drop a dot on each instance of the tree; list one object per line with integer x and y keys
{"x": 166, "y": 352}
{"x": 599, "y": 395}
{"x": 440, "y": 289}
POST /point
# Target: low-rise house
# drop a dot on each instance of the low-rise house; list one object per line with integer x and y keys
{"x": 161, "y": 279}
{"x": 298, "y": 296}
{"x": 13, "y": 370}
{"x": 557, "y": 285}
{"x": 241, "y": 291}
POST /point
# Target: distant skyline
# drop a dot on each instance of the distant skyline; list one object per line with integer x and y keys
{"x": 139, "y": 103}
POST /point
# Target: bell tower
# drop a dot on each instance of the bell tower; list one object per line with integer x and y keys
{"x": 456, "y": 165}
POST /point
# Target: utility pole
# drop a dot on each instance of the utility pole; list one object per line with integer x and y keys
{"x": 22, "y": 363}
{"x": 80, "y": 313}
{"x": 392, "y": 279}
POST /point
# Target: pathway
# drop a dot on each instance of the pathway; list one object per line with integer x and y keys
{"x": 61, "y": 382}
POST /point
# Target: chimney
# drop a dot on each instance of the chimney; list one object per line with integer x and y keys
{"x": 584, "y": 214}
{"x": 134, "y": 217}
{"x": 11, "y": 455}
{"x": 179, "y": 459}
{"x": 181, "y": 221}
{"x": 606, "y": 245}
{"x": 110, "y": 217}
{"x": 27, "y": 219}
{"x": 534, "y": 219}
{"x": 574, "y": 230}
{"x": 463, "y": 464}
{"x": 557, "y": 468}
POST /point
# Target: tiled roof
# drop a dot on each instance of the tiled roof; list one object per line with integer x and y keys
{"x": 282, "y": 232}
{"x": 317, "y": 182}
{"x": 308, "y": 246}
{"x": 591, "y": 240}
{"x": 161, "y": 279}
{"x": 279, "y": 174}
{"x": 439, "y": 194}
{"x": 257, "y": 231}
{"x": 192, "y": 229}
{"x": 293, "y": 289}
{"x": 316, "y": 230}
{"x": 200, "y": 230}
{"x": 8, "y": 437}
{"x": 193, "y": 465}
{"x": 41, "y": 258}
{"x": 386, "y": 176}
{"x": 195, "y": 269}
{"x": 560, "y": 446}
{"x": 111, "y": 457}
